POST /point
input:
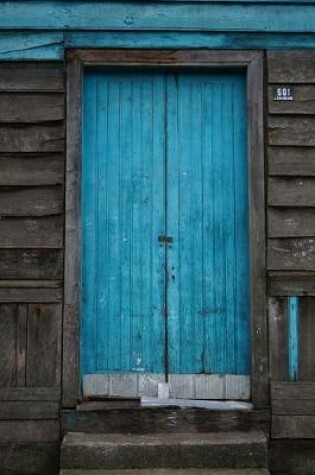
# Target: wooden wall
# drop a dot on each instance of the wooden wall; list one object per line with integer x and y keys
{"x": 291, "y": 240}
{"x": 31, "y": 264}
{"x": 31, "y": 257}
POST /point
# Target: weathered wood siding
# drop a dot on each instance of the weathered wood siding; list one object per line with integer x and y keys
{"x": 31, "y": 255}
{"x": 31, "y": 263}
{"x": 291, "y": 239}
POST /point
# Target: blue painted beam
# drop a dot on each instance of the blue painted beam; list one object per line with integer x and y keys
{"x": 31, "y": 46}
{"x": 293, "y": 325}
{"x": 187, "y": 16}
{"x": 49, "y": 46}
{"x": 188, "y": 40}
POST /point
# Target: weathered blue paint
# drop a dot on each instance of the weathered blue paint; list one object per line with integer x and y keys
{"x": 51, "y": 46}
{"x": 165, "y": 154}
{"x": 123, "y": 215}
{"x": 171, "y": 15}
{"x": 188, "y": 40}
{"x": 28, "y": 46}
{"x": 207, "y": 215}
{"x": 293, "y": 324}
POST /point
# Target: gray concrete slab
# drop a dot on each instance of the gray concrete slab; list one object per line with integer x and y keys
{"x": 199, "y": 450}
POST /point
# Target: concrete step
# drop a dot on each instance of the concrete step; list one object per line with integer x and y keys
{"x": 187, "y": 450}
{"x": 169, "y": 471}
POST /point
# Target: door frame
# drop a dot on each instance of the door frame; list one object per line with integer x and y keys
{"x": 251, "y": 61}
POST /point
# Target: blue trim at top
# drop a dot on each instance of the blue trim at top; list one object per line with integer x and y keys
{"x": 50, "y": 46}
{"x": 221, "y": 15}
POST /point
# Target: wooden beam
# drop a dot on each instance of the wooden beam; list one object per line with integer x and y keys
{"x": 27, "y": 46}
{"x": 32, "y": 77}
{"x": 163, "y": 57}
{"x": 186, "y": 40}
{"x": 289, "y": 390}
{"x": 293, "y": 427}
{"x": 168, "y": 16}
{"x": 72, "y": 296}
{"x": 30, "y": 394}
{"x": 23, "y": 410}
{"x": 284, "y": 284}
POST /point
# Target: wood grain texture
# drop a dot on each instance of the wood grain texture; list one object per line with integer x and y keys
{"x": 30, "y": 295}
{"x": 31, "y": 169}
{"x": 307, "y": 338}
{"x": 24, "y": 410}
{"x": 291, "y": 66}
{"x": 32, "y": 138}
{"x": 162, "y": 57}
{"x": 167, "y": 16}
{"x": 184, "y": 40}
{"x": 31, "y": 201}
{"x": 43, "y": 362}
{"x": 34, "y": 431}
{"x": 28, "y": 46}
{"x": 293, "y": 427}
{"x": 30, "y": 394}
{"x": 29, "y": 458}
{"x": 260, "y": 360}
{"x": 45, "y": 232}
{"x": 295, "y": 192}
{"x": 278, "y": 344}
{"x": 144, "y": 420}
{"x": 31, "y": 108}
{"x": 291, "y": 161}
{"x": 8, "y": 344}
{"x": 292, "y": 391}
{"x": 291, "y": 130}
{"x": 31, "y": 77}
{"x": 303, "y": 103}
{"x": 284, "y": 407}
{"x": 295, "y": 457}
{"x": 284, "y": 284}
{"x": 31, "y": 264}
{"x": 291, "y": 222}
{"x": 21, "y": 345}
{"x": 70, "y": 368}
{"x": 291, "y": 254}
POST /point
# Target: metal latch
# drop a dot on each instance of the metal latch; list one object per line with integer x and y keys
{"x": 166, "y": 239}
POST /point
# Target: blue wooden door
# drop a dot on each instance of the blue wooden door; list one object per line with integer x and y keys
{"x": 207, "y": 216}
{"x": 164, "y": 155}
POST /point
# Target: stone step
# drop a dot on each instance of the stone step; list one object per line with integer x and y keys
{"x": 169, "y": 471}
{"x": 203, "y": 450}
{"x": 99, "y": 418}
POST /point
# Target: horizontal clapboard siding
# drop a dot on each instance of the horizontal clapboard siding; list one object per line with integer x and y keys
{"x": 31, "y": 262}
{"x": 291, "y": 165}
{"x": 291, "y": 242}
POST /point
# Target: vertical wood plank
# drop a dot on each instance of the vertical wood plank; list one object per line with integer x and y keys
{"x": 43, "y": 345}
{"x": 307, "y": 338}
{"x": 278, "y": 331}
{"x": 8, "y": 322}
{"x": 72, "y": 238}
{"x": 260, "y": 369}
{"x": 21, "y": 345}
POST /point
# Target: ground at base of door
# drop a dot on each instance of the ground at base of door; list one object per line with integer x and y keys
{"x": 168, "y": 471}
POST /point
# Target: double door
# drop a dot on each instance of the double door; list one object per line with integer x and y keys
{"x": 165, "y": 246}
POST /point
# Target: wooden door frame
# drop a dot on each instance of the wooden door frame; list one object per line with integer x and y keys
{"x": 252, "y": 61}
